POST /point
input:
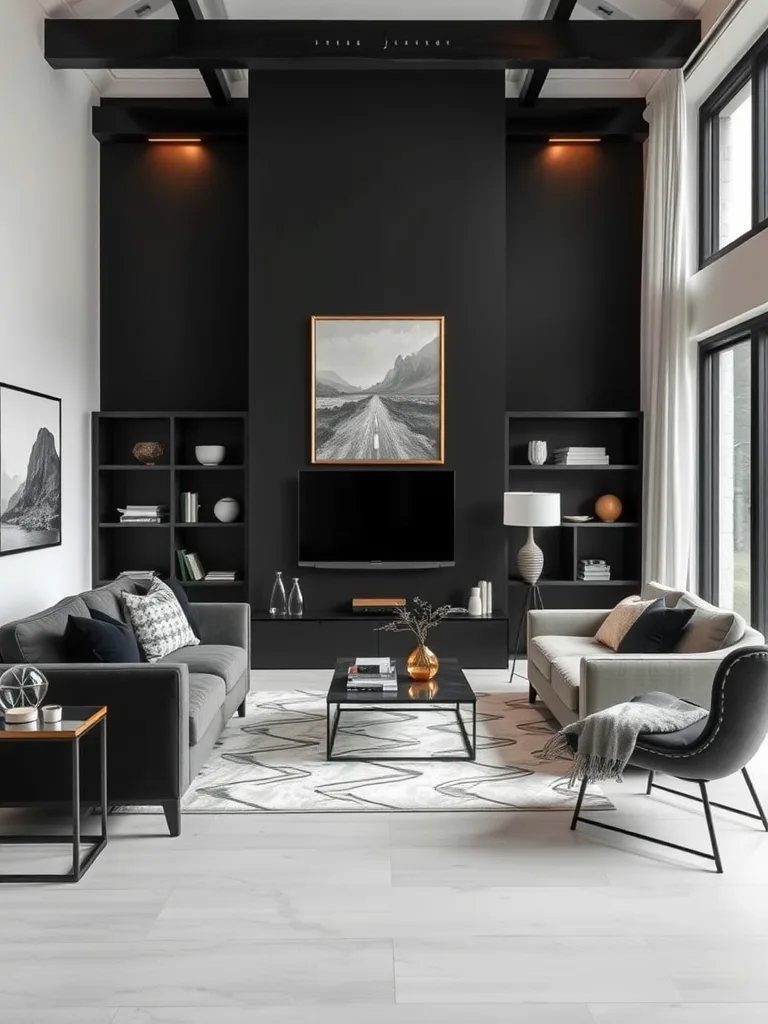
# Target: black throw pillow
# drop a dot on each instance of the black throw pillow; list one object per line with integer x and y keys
{"x": 181, "y": 596}
{"x": 657, "y": 631}
{"x": 100, "y": 639}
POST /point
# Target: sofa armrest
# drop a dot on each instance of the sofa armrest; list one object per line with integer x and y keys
{"x": 147, "y": 726}
{"x": 565, "y": 621}
{"x": 224, "y": 623}
{"x": 612, "y": 678}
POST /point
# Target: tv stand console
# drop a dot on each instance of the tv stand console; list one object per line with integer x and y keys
{"x": 317, "y": 639}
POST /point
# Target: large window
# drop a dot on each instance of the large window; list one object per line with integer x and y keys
{"x": 734, "y": 473}
{"x": 733, "y": 164}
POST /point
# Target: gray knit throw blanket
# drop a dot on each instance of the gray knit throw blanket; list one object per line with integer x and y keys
{"x": 606, "y": 739}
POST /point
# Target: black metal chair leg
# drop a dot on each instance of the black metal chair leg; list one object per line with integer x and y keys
{"x": 649, "y": 787}
{"x": 753, "y": 794}
{"x": 579, "y": 802}
{"x": 711, "y": 827}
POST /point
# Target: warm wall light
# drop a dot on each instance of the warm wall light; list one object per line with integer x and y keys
{"x": 569, "y": 139}
{"x": 157, "y": 138}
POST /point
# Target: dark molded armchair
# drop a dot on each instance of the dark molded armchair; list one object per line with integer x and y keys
{"x": 713, "y": 748}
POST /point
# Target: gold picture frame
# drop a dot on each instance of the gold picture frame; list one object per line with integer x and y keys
{"x": 377, "y": 390}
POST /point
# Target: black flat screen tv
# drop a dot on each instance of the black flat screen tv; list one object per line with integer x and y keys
{"x": 376, "y": 518}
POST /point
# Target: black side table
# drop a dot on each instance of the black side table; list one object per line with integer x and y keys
{"x": 75, "y": 723}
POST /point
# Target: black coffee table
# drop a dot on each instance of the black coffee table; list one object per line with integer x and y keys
{"x": 449, "y": 688}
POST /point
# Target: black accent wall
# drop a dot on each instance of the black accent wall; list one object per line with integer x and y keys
{"x": 377, "y": 193}
{"x": 574, "y": 252}
{"x": 174, "y": 276}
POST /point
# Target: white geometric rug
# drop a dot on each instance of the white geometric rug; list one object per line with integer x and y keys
{"x": 274, "y": 760}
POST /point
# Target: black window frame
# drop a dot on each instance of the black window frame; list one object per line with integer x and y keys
{"x": 751, "y": 69}
{"x": 755, "y": 332}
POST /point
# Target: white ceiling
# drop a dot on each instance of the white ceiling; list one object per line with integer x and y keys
{"x": 561, "y": 83}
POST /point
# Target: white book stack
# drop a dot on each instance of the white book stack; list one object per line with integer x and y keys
{"x": 575, "y": 456}
{"x": 143, "y": 513}
{"x": 221, "y": 576}
{"x": 594, "y": 570}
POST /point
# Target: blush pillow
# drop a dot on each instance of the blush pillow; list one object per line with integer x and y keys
{"x": 620, "y": 620}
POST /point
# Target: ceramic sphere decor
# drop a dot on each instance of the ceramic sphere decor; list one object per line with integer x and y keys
{"x": 22, "y": 686}
{"x": 148, "y": 452}
{"x": 422, "y": 664}
{"x": 226, "y": 510}
{"x": 608, "y": 508}
{"x": 210, "y": 454}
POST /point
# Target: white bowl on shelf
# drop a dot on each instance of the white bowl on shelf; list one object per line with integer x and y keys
{"x": 210, "y": 454}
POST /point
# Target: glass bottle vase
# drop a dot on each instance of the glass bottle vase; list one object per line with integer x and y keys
{"x": 296, "y": 599}
{"x": 422, "y": 664}
{"x": 277, "y": 602}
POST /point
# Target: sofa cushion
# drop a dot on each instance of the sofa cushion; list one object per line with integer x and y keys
{"x": 181, "y": 596}
{"x": 653, "y": 590}
{"x": 39, "y": 639}
{"x": 107, "y": 599}
{"x": 565, "y": 680}
{"x": 212, "y": 659}
{"x": 543, "y": 650}
{"x": 100, "y": 638}
{"x": 657, "y": 631}
{"x": 620, "y": 621}
{"x": 206, "y": 696}
{"x": 158, "y": 621}
{"x": 710, "y": 629}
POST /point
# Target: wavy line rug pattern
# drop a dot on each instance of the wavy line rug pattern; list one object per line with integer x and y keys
{"x": 274, "y": 760}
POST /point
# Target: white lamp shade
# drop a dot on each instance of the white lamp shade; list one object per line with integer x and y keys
{"x": 531, "y": 508}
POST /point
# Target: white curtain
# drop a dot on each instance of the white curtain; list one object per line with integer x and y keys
{"x": 668, "y": 359}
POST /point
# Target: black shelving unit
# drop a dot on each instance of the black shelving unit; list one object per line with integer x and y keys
{"x": 620, "y": 543}
{"x": 118, "y": 479}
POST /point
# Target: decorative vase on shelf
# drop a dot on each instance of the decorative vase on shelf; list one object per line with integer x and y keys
{"x": 296, "y": 599}
{"x": 475, "y": 603}
{"x": 277, "y": 601}
{"x": 422, "y": 664}
{"x": 148, "y": 452}
{"x": 226, "y": 510}
{"x": 537, "y": 452}
{"x": 210, "y": 454}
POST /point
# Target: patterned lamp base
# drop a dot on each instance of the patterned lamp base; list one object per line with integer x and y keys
{"x": 530, "y": 559}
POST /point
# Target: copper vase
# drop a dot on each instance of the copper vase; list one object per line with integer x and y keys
{"x": 422, "y": 664}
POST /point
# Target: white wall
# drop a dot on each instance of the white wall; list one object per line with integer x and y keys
{"x": 734, "y": 287}
{"x": 48, "y": 282}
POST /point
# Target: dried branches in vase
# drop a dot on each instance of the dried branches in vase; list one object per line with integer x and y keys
{"x": 422, "y": 664}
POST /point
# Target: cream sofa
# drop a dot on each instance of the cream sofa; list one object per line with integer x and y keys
{"x": 575, "y": 675}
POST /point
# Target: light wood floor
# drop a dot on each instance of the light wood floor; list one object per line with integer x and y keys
{"x": 474, "y": 918}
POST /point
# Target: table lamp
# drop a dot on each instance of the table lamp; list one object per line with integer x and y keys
{"x": 531, "y": 508}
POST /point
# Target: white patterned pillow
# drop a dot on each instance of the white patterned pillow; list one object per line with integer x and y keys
{"x": 160, "y": 625}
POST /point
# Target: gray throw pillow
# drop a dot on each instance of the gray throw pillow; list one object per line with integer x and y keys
{"x": 653, "y": 591}
{"x": 710, "y": 629}
{"x": 159, "y": 621}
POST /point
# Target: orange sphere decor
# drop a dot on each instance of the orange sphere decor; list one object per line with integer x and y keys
{"x": 608, "y": 508}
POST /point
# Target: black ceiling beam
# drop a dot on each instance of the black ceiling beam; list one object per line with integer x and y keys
{"x": 138, "y": 120}
{"x": 533, "y": 83}
{"x": 215, "y": 82}
{"x": 608, "y": 118}
{"x": 163, "y": 44}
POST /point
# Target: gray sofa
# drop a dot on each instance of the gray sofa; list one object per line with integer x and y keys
{"x": 163, "y": 718}
{"x": 575, "y": 675}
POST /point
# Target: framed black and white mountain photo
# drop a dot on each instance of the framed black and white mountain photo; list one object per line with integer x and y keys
{"x": 378, "y": 389}
{"x": 30, "y": 470}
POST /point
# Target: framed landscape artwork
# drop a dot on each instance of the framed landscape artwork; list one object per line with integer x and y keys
{"x": 378, "y": 389}
{"x": 30, "y": 470}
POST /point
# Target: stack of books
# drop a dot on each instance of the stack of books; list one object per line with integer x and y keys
{"x": 374, "y": 674}
{"x": 139, "y": 574}
{"x": 143, "y": 513}
{"x": 581, "y": 457}
{"x": 190, "y": 567}
{"x": 593, "y": 570}
{"x": 221, "y": 576}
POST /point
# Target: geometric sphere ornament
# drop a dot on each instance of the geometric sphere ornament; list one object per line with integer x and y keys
{"x": 22, "y": 686}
